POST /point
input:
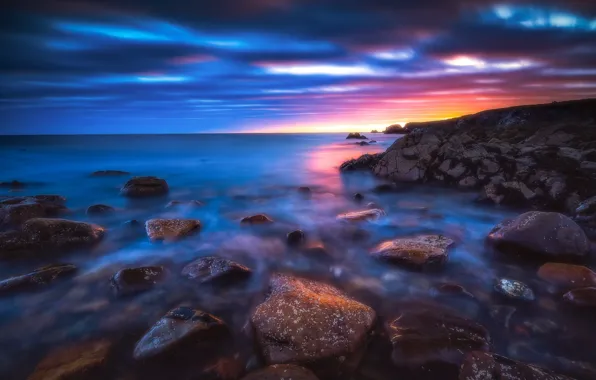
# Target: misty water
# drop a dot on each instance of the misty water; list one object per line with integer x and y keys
{"x": 241, "y": 175}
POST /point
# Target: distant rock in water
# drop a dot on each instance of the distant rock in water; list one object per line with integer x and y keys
{"x": 139, "y": 187}
{"x": 130, "y": 281}
{"x": 364, "y": 162}
{"x": 12, "y": 184}
{"x": 191, "y": 203}
{"x": 356, "y": 135}
{"x": 256, "y": 219}
{"x": 394, "y": 129}
{"x": 374, "y": 131}
{"x": 100, "y": 210}
{"x": 109, "y": 173}
{"x": 363, "y": 143}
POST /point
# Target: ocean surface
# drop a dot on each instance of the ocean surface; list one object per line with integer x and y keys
{"x": 241, "y": 175}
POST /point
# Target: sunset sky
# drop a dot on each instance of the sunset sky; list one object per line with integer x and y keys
{"x": 176, "y": 66}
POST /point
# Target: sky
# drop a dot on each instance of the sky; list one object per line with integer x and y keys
{"x": 181, "y": 66}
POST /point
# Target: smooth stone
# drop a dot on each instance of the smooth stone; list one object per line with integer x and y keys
{"x": 281, "y": 372}
{"x": 15, "y": 211}
{"x": 36, "y": 279}
{"x": 514, "y": 289}
{"x": 99, "y": 210}
{"x": 179, "y": 326}
{"x": 73, "y": 362}
{"x": 431, "y": 336}
{"x": 191, "y": 203}
{"x": 417, "y": 251}
{"x": 358, "y": 216}
{"x": 584, "y": 297}
{"x": 213, "y": 268}
{"x": 109, "y": 173}
{"x": 171, "y": 229}
{"x": 296, "y": 238}
{"x": 567, "y": 276}
{"x": 256, "y": 219}
{"x": 140, "y": 187}
{"x": 135, "y": 280}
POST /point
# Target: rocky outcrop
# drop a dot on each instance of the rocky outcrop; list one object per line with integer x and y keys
{"x": 359, "y": 216}
{"x": 281, "y": 372}
{"x": 356, "y": 135}
{"x": 312, "y": 324}
{"x": 256, "y": 219}
{"x": 544, "y": 234}
{"x": 417, "y": 251}
{"x": 394, "y": 129}
{"x": 374, "y": 131}
{"x": 130, "y": 281}
{"x": 36, "y": 279}
{"x": 141, "y": 187}
{"x": 109, "y": 173}
{"x": 364, "y": 162}
{"x": 15, "y": 211}
{"x": 171, "y": 229}
{"x": 213, "y": 268}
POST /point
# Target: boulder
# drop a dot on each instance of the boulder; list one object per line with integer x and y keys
{"x": 488, "y": 366}
{"x": 416, "y": 251}
{"x": 394, "y": 129}
{"x": 171, "y": 229}
{"x": 130, "y": 281}
{"x": 583, "y": 297}
{"x": 515, "y": 290}
{"x": 17, "y": 210}
{"x": 364, "y": 162}
{"x": 78, "y": 361}
{"x": 281, "y": 372}
{"x": 140, "y": 187}
{"x": 546, "y": 234}
{"x": 313, "y": 324}
{"x": 356, "y": 135}
{"x": 99, "y": 210}
{"x": 421, "y": 337}
{"x": 256, "y": 219}
{"x": 567, "y": 276}
{"x": 358, "y": 216}
{"x": 109, "y": 173}
{"x": 296, "y": 238}
{"x": 358, "y": 197}
{"x": 212, "y": 268}
{"x": 178, "y": 327}
{"x": 36, "y": 279}
{"x": 191, "y": 203}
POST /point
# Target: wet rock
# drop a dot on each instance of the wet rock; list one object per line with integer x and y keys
{"x": 468, "y": 182}
{"x": 78, "y": 361}
{"x": 191, "y": 203}
{"x": 296, "y": 238}
{"x": 358, "y": 216}
{"x": 584, "y": 297}
{"x": 140, "y": 187}
{"x": 17, "y": 210}
{"x": 223, "y": 368}
{"x": 316, "y": 250}
{"x": 567, "y": 276}
{"x": 171, "y": 229}
{"x": 179, "y": 326}
{"x": 546, "y": 234}
{"x": 109, "y": 173}
{"x": 363, "y": 143}
{"x": 282, "y": 372}
{"x": 213, "y": 268}
{"x": 297, "y": 310}
{"x": 488, "y": 366}
{"x": 417, "y": 251}
{"x": 431, "y": 336}
{"x": 356, "y": 135}
{"x": 100, "y": 210}
{"x": 364, "y": 162}
{"x": 358, "y": 197}
{"x": 36, "y": 279}
{"x": 256, "y": 219}
{"x": 135, "y": 280}
{"x": 514, "y": 289}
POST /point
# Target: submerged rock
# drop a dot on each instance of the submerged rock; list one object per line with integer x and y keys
{"x": 135, "y": 280}
{"x": 78, "y": 361}
{"x": 281, "y": 372}
{"x": 256, "y": 219}
{"x": 417, "y": 251}
{"x": 296, "y": 238}
{"x": 358, "y": 216}
{"x": 191, "y": 203}
{"x": 297, "y": 310}
{"x": 567, "y": 276}
{"x": 430, "y": 336}
{"x": 179, "y": 326}
{"x": 514, "y": 289}
{"x": 356, "y": 135}
{"x": 171, "y": 229}
{"x": 36, "y": 279}
{"x": 109, "y": 173}
{"x": 585, "y": 297}
{"x": 488, "y": 366}
{"x": 213, "y": 268}
{"x": 139, "y": 187}
{"x": 99, "y": 210}
{"x": 547, "y": 234}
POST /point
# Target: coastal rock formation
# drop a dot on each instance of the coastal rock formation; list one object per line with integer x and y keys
{"x": 179, "y": 326}
{"x": 256, "y": 219}
{"x": 135, "y": 280}
{"x": 15, "y": 211}
{"x": 171, "y": 229}
{"x": 546, "y": 234}
{"x": 417, "y": 251}
{"x": 36, "y": 279}
{"x": 394, "y": 129}
{"x": 374, "y": 131}
{"x": 212, "y": 268}
{"x": 140, "y": 187}
{"x": 312, "y": 324}
{"x": 364, "y": 162}
{"x": 281, "y": 372}
{"x": 356, "y": 135}
{"x": 359, "y": 216}
{"x": 567, "y": 276}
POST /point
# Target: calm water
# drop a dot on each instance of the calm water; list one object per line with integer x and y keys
{"x": 240, "y": 175}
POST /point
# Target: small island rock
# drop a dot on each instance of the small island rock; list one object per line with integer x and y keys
{"x": 140, "y": 187}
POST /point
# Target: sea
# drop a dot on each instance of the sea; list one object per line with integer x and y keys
{"x": 238, "y": 175}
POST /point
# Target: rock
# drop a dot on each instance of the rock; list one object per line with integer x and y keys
{"x": 468, "y": 182}
{"x": 567, "y": 276}
{"x": 109, "y": 173}
{"x": 488, "y": 366}
{"x": 256, "y": 219}
{"x": 374, "y": 131}
{"x": 358, "y": 197}
{"x": 14, "y": 184}
{"x": 139, "y": 187}
{"x": 587, "y": 207}
{"x": 417, "y": 251}
{"x": 546, "y": 234}
{"x": 78, "y": 361}
{"x": 281, "y": 372}
{"x": 36, "y": 279}
{"x": 135, "y": 280}
{"x": 171, "y": 229}
{"x": 584, "y": 297}
{"x": 17, "y": 210}
{"x": 133, "y": 223}
{"x": 356, "y": 135}
{"x": 179, "y": 326}
{"x": 395, "y": 128}
{"x": 100, "y": 210}
{"x": 362, "y": 143}
{"x": 509, "y": 193}
{"x": 224, "y": 368}
{"x": 364, "y": 162}
{"x": 450, "y": 289}
{"x": 296, "y": 238}
{"x": 427, "y": 336}
{"x": 191, "y": 203}
{"x": 358, "y": 216}
{"x": 297, "y": 310}
{"x": 212, "y": 268}
{"x": 514, "y": 289}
